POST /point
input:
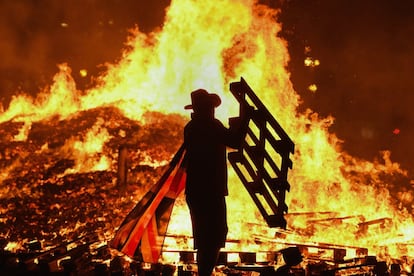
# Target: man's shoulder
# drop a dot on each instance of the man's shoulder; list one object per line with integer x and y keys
{"x": 189, "y": 124}
{"x": 204, "y": 124}
{"x": 218, "y": 122}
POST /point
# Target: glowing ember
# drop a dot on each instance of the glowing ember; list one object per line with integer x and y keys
{"x": 83, "y": 72}
{"x": 72, "y": 138}
{"x": 313, "y": 87}
{"x": 310, "y": 62}
{"x": 13, "y": 246}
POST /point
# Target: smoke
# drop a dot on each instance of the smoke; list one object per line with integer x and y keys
{"x": 21, "y": 52}
{"x": 38, "y": 35}
{"x": 364, "y": 78}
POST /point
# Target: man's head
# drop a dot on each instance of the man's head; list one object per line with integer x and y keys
{"x": 203, "y": 102}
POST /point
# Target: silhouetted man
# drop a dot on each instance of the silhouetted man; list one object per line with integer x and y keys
{"x": 205, "y": 139}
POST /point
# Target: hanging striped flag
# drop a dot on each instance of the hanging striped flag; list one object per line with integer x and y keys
{"x": 141, "y": 234}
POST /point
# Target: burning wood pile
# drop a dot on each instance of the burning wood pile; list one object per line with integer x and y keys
{"x": 51, "y": 201}
{"x": 63, "y": 192}
{"x": 58, "y": 218}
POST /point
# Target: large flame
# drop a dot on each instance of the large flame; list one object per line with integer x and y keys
{"x": 208, "y": 44}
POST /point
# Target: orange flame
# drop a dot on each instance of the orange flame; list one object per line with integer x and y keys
{"x": 209, "y": 44}
{"x": 92, "y": 145}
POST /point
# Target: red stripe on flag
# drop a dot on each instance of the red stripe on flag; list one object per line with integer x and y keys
{"x": 136, "y": 234}
{"x": 149, "y": 249}
{"x": 146, "y": 229}
{"x": 152, "y": 238}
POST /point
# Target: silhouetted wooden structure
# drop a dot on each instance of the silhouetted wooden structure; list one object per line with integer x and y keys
{"x": 262, "y": 163}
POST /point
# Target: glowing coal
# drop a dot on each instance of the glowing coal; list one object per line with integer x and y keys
{"x": 46, "y": 187}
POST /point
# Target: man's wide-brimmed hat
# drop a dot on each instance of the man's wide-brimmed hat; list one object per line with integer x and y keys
{"x": 201, "y": 97}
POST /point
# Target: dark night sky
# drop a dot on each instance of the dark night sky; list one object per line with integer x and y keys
{"x": 365, "y": 49}
{"x": 365, "y": 77}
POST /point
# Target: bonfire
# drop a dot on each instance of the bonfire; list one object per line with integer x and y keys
{"x": 59, "y": 178}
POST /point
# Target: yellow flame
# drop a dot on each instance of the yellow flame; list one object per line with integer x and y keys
{"x": 88, "y": 152}
{"x": 209, "y": 44}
